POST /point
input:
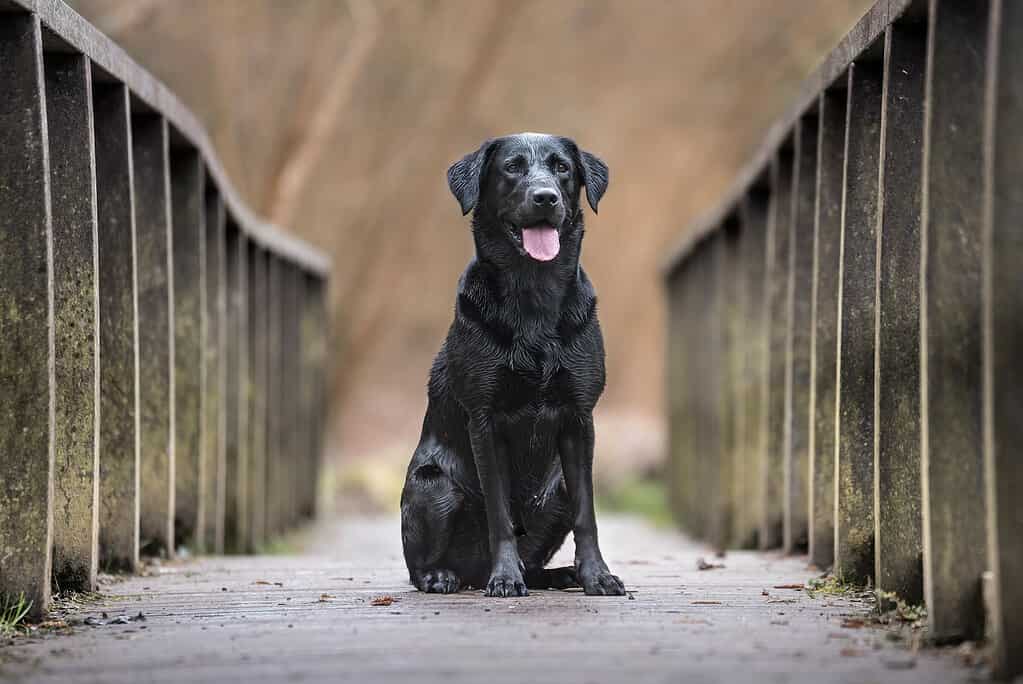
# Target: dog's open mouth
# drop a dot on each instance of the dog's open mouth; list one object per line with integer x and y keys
{"x": 541, "y": 241}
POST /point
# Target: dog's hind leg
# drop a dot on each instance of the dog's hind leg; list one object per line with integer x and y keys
{"x": 547, "y": 526}
{"x": 429, "y": 503}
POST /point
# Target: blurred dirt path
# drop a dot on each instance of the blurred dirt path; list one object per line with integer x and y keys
{"x": 313, "y": 618}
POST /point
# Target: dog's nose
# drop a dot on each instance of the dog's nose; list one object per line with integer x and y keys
{"x": 545, "y": 196}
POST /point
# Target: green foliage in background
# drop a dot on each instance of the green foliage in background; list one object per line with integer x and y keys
{"x": 647, "y": 497}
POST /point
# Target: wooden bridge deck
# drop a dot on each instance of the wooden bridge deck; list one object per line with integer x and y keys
{"x": 310, "y": 617}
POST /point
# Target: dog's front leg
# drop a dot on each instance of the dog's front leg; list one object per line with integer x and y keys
{"x": 506, "y": 567}
{"x": 576, "y": 449}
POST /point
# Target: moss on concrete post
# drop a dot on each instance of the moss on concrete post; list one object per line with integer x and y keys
{"x": 76, "y": 321}
{"x": 118, "y": 310}
{"x": 26, "y": 312}
{"x": 897, "y": 519}
{"x": 156, "y": 332}
{"x": 188, "y": 213}
{"x": 824, "y": 341}
{"x": 854, "y": 458}
{"x": 955, "y": 549}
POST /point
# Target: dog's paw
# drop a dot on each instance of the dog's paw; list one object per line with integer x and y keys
{"x": 602, "y": 583}
{"x": 438, "y": 582}
{"x": 505, "y": 585}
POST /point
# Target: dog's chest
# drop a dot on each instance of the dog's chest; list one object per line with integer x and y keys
{"x": 535, "y": 378}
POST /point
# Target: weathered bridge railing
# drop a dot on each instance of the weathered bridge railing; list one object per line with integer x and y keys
{"x": 845, "y": 327}
{"x": 162, "y": 350}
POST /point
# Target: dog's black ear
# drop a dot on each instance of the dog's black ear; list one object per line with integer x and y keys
{"x": 464, "y": 176}
{"x": 593, "y": 172}
{"x": 595, "y": 176}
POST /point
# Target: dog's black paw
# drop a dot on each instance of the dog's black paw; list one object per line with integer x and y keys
{"x": 602, "y": 583}
{"x": 438, "y": 582}
{"x": 505, "y": 585}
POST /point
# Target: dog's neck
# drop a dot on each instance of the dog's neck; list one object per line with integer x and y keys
{"x": 525, "y": 288}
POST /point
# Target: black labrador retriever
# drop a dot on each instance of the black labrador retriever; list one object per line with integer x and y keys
{"x": 504, "y": 466}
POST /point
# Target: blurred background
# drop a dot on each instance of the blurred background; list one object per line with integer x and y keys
{"x": 337, "y": 119}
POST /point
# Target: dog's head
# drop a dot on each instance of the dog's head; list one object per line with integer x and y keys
{"x": 527, "y": 187}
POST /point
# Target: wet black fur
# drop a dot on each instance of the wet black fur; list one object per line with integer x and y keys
{"x": 503, "y": 469}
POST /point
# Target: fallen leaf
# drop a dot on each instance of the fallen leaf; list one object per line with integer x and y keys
{"x": 701, "y": 564}
{"x": 789, "y": 586}
{"x": 262, "y": 582}
{"x": 706, "y": 603}
{"x": 53, "y": 624}
{"x": 853, "y": 623}
{"x": 382, "y": 601}
{"x": 326, "y": 597}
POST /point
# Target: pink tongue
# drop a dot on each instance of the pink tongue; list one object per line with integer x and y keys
{"x": 541, "y": 242}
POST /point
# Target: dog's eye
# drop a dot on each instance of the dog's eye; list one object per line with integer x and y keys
{"x": 511, "y": 166}
{"x": 561, "y": 167}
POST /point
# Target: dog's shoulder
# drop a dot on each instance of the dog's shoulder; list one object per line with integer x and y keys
{"x": 478, "y": 308}
{"x": 579, "y": 311}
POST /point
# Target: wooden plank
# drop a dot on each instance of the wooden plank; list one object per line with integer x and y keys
{"x": 854, "y": 458}
{"x": 955, "y": 551}
{"x": 717, "y": 629}
{"x": 797, "y": 375}
{"x": 716, "y": 352}
{"x": 898, "y": 537}
{"x": 26, "y": 320}
{"x": 776, "y": 304}
{"x": 734, "y": 333}
{"x": 118, "y": 314}
{"x": 680, "y": 433}
{"x": 258, "y": 347}
{"x": 214, "y": 414}
{"x": 276, "y": 465}
{"x": 753, "y": 216}
{"x": 189, "y": 225}
{"x": 76, "y": 321}
{"x": 156, "y": 331}
{"x": 236, "y": 521}
{"x": 312, "y": 320}
{"x": 1003, "y": 331}
{"x": 321, "y": 379}
{"x": 824, "y": 337}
